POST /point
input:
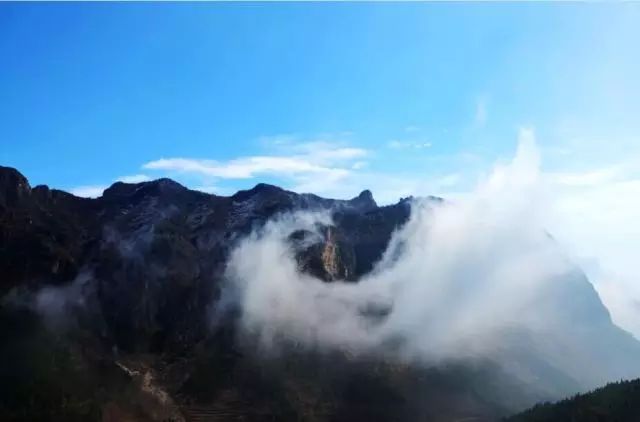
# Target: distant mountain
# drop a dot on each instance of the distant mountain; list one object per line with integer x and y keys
{"x": 106, "y": 314}
{"x": 618, "y": 401}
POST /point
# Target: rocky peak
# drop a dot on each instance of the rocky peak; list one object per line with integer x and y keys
{"x": 13, "y": 186}
{"x": 164, "y": 188}
{"x": 261, "y": 189}
{"x": 364, "y": 201}
{"x": 163, "y": 185}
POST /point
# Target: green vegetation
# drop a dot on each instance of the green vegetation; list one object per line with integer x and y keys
{"x": 618, "y": 401}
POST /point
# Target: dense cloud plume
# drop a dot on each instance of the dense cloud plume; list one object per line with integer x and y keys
{"x": 453, "y": 279}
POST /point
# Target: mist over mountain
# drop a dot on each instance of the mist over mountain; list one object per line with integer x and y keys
{"x": 156, "y": 302}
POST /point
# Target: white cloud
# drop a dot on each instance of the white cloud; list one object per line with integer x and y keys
{"x": 452, "y": 279}
{"x": 241, "y": 168}
{"x": 309, "y": 166}
{"x": 214, "y": 189}
{"x": 587, "y": 178}
{"x": 135, "y": 178}
{"x": 593, "y": 209}
{"x": 397, "y": 144}
{"x": 595, "y": 217}
{"x": 331, "y": 168}
{"x": 89, "y": 191}
{"x": 326, "y": 152}
{"x": 94, "y": 191}
{"x": 387, "y": 187}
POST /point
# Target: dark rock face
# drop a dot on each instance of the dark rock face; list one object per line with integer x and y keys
{"x": 157, "y": 250}
{"x": 43, "y": 233}
{"x": 148, "y": 261}
{"x": 14, "y": 187}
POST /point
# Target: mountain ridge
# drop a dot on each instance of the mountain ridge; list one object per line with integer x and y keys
{"x": 133, "y": 277}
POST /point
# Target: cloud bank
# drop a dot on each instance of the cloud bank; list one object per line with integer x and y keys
{"x": 474, "y": 278}
{"x": 451, "y": 281}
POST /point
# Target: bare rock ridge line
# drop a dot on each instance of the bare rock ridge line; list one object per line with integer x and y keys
{"x": 63, "y": 228}
{"x": 155, "y": 251}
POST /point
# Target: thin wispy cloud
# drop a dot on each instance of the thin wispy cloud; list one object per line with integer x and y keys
{"x": 308, "y": 166}
{"x": 242, "y": 168}
{"x": 398, "y": 144}
{"x": 329, "y": 165}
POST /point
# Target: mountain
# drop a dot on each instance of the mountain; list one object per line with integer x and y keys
{"x": 114, "y": 309}
{"x": 618, "y": 401}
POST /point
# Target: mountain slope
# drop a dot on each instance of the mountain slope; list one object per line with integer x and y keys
{"x": 114, "y": 308}
{"x": 618, "y": 401}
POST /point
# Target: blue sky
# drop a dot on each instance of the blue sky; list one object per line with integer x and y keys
{"x": 335, "y": 98}
{"x": 93, "y": 92}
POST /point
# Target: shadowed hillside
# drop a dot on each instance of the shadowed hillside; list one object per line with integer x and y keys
{"x": 615, "y": 402}
{"x": 114, "y": 308}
